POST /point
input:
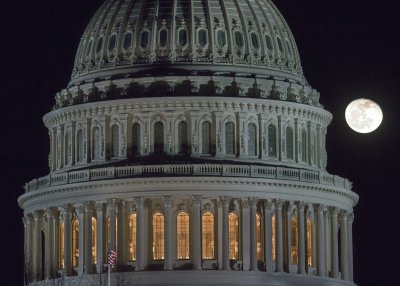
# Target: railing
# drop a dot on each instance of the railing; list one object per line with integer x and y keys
{"x": 224, "y": 170}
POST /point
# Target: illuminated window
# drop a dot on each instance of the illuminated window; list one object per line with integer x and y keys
{"x": 75, "y": 243}
{"x": 294, "y": 253}
{"x": 158, "y": 137}
{"x": 289, "y": 142}
{"x": 136, "y": 139}
{"x": 115, "y": 141}
{"x": 259, "y": 238}
{"x": 94, "y": 240}
{"x": 132, "y": 237}
{"x": 309, "y": 243}
{"x": 96, "y": 143}
{"x": 304, "y": 145}
{"x": 233, "y": 236}
{"x": 207, "y": 226}
{"x": 79, "y": 143}
{"x": 206, "y": 138}
{"x": 62, "y": 246}
{"x": 273, "y": 238}
{"x": 182, "y": 138}
{"x": 272, "y": 141}
{"x": 182, "y": 236}
{"x": 158, "y": 236}
{"x": 252, "y": 139}
{"x": 230, "y": 138}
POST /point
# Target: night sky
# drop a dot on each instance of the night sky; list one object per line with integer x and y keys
{"x": 349, "y": 49}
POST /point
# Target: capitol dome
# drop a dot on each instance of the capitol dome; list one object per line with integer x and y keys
{"x": 188, "y": 140}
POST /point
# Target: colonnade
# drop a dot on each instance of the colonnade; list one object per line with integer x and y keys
{"x": 274, "y": 236}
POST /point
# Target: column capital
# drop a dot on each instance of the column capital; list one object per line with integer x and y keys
{"x": 79, "y": 209}
{"x": 99, "y": 207}
{"x": 334, "y": 211}
{"x": 121, "y": 205}
{"x": 37, "y": 215}
{"x": 68, "y": 208}
{"x": 139, "y": 202}
{"x": 88, "y": 205}
{"x": 301, "y": 206}
{"x": 24, "y": 221}
{"x": 112, "y": 203}
{"x": 269, "y": 206}
{"x": 196, "y": 200}
{"x": 278, "y": 204}
{"x": 350, "y": 218}
{"x": 253, "y": 201}
{"x": 167, "y": 200}
{"x": 28, "y": 218}
{"x": 291, "y": 208}
{"x": 245, "y": 203}
{"x": 224, "y": 201}
{"x": 50, "y": 211}
{"x": 319, "y": 208}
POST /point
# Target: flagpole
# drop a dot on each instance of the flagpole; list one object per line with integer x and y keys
{"x": 109, "y": 274}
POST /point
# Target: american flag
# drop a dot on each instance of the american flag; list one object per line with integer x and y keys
{"x": 112, "y": 257}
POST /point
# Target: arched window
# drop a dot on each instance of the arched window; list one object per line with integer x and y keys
{"x": 94, "y": 240}
{"x": 254, "y": 41}
{"x": 279, "y": 44}
{"x": 115, "y": 141}
{"x": 202, "y": 36}
{"x": 158, "y": 236}
{"x": 272, "y": 141}
{"x": 144, "y": 39}
{"x": 230, "y": 138}
{"x": 233, "y": 236}
{"x": 112, "y": 42}
{"x": 273, "y": 238}
{"x": 269, "y": 42}
{"x": 310, "y": 242}
{"x": 79, "y": 148}
{"x": 206, "y": 138}
{"x": 135, "y": 139}
{"x": 75, "y": 243}
{"x": 252, "y": 139}
{"x": 289, "y": 142}
{"x": 99, "y": 45}
{"x": 182, "y": 138}
{"x": 294, "y": 243}
{"x": 96, "y": 143}
{"x": 208, "y": 244}
{"x": 239, "y": 39}
{"x": 66, "y": 146}
{"x": 127, "y": 40}
{"x": 221, "y": 38}
{"x": 62, "y": 246}
{"x": 259, "y": 237}
{"x": 132, "y": 237}
{"x": 163, "y": 38}
{"x": 303, "y": 145}
{"x": 182, "y": 236}
{"x": 182, "y": 37}
{"x": 159, "y": 137}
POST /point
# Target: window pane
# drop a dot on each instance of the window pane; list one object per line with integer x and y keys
{"x": 289, "y": 142}
{"x": 254, "y": 40}
{"x": 206, "y": 138}
{"x": 99, "y": 45}
{"x": 94, "y": 240}
{"x": 182, "y": 236}
{"x": 144, "y": 39}
{"x": 75, "y": 243}
{"x": 115, "y": 141}
{"x": 294, "y": 254}
{"x": 61, "y": 236}
{"x": 272, "y": 140}
{"x": 136, "y": 139}
{"x": 269, "y": 42}
{"x": 158, "y": 236}
{"x": 273, "y": 238}
{"x": 221, "y": 38}
{"x": 207, "y": 235}
{"x": 202, "y": 34}
{"x": 132, "y": 237}
{"x": 163, "y": 38}
{"x": 239, "y": 39}
{"x": 182, "y": 138}
{"x": 111, "y": 44}
{"x": 229, "y": 138}
{"x": 158, "y": 137}
{"x": 252, "y": 139}
{"x": 127, "y": 41}
{"x": 233, "y": 236}
{"x": 259, "y": 237}
{"x": 182, "y": 37}
{"x": 309, "y": 243}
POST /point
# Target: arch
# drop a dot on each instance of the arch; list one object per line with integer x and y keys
{"x": 132, "y": 237}
{"x": 75, "y": 243}
{"x": 136, "y": 132}
{"x": 273, "y": 250}
{"x": 159, "y": 137}
{"x": 303, "y": 145}
{"x": 310, "y": 249}
{"x": 294, "y": 243}
{"x": 183, "y": 147}
{"x": 96, "y": 143}
{"x": 208, "y": 243}
{"x": 206, "y": 138}
{"x": 114, "y": 140}
{"x": 182, "y": 236}
{"x": 79, "y": 146}
{"x": 94, "y": 240}
{"x": 158, "y": 236}
{"x": 252, "y": 139}
{"x": 61, "y": 263}
{"x": 259, "y": 236}
{"x": 230, "y": 138}
{"x": 233, "y": 236}
{"x": 272, "y": 135}
{"x": 289, "y": 143}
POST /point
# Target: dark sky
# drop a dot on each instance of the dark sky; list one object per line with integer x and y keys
{"x": 349, "y": 49}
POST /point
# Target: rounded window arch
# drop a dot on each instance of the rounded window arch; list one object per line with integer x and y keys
{"x": 158, "y": 236}
{"x": 230, "y": 138}
{"x": 272, "y": 140}
{"x": 206, "y": 138}
{"x": 132, "y": 237}
{"x": 115, "y": 141}
{"x": 208, "y": 242}
{"x": 233, "y": 236}
{"x": 238, "y": 39}
{"x": 112, "y": 42}
{"x": 252, "y": 139}
{"x": 221, "y": 38}
{"x": 128, "y": 40}
{"x": 182, "y": 37}
{"x": 144, "y": 39}
{"x": 163, "y": 37}
{"x": 158, "y": 137}
{"x": 289, "y": 143}
{"x": 202, "y": 37}
{"x": 99, "y": 45}
{"x": 182, "y": 236}
{"x": 183, "y": 147}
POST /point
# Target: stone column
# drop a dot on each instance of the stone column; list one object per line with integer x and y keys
{"x": 28, "y": 223}
{"x": 288, "y": 245}
{"x": 196, "y": 232}
{"x": 344, "y": 252}
{"x": 244, "y": 223}
{"x": 263, "y": 131}
{"x": 321, "y": 270}
{"x": 311, "y": 216}
{"x": 121, "y": 236}
{"x": 87, "y": 225}
{"x": 37, "y": 246}
{"x": 81, "y": 260}
{"x": 140, "y": 251}
{"x": 328, "y": 257}
{"x": 56, "y": 257}
{"x": 225, "y": 233}
{"x": 217, "y": 121}
{"x": 167, "y": 233}
{"x": 111, "y": 209}
{"x": 67, "y": 213}
{"x": 100, "y": 235}
{"x": 219, "y": 233}
{"x": 268, "y": 211}
{"x": 334, "y": 244}
{"x": 350, "y": 220}
{"x": 253, "y": 234}
{"x": 241, "y": 136}
{"x": 301, "y": 269}
{"x": 49, "y": 244}
{"x": 279, "y": 237}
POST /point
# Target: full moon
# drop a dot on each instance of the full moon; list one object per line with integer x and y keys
{"x": 363, "y": 115}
